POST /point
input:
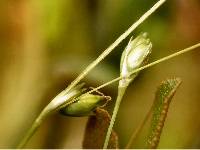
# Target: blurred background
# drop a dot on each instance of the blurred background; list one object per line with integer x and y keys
{"x": 45, "y": 44}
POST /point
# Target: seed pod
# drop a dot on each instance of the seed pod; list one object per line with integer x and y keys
{"x": 134, "y": 56}
{"x": 84, "y": 105}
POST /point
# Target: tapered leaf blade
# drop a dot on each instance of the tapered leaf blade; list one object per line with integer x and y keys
{"x": 163, "y": 97}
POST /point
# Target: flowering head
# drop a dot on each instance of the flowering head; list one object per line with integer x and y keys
{"x": 134, "y": 56}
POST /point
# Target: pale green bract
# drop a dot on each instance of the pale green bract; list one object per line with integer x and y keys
{"x": 63, "y": 98}
{"x": 134, "y": 56}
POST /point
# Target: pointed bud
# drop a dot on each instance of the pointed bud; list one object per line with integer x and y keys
{"x": 62, "y": 99}
{"x": 84, "y": 105}
{"x": 134, "y": 56}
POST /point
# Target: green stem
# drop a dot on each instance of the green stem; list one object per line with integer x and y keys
{"x": 39, "y": 119}
{"x": 121, "y": 91}
{"x": 33, "y": 129}
{"x": 149, "y": 65}
{"x": 116, "y": 43}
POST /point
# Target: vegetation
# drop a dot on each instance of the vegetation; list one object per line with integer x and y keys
{"x": 79, "y": 101}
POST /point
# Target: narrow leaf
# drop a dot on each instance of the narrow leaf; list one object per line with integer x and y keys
{"x": 164, "y": 94}
{"x": 96, "y": 129}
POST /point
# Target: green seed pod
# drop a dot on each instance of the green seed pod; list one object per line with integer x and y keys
{"x": 84, "y": 105}
{"x": 134, "y": 56}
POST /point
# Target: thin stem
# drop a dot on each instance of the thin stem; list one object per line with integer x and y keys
{"x": 116, "y": 43}
{"x": 121, "y": 91}
{"x": 135, "y": 133}
{"x": 109, "y": 49}
{"x": 149, "y": 65}
{"x": 38, "y": 121}
{"x": 33, "y": 129}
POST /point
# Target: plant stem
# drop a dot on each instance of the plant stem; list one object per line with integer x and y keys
{"x": 33, "y": 128}
{"x": 116, "y": 43}
{"x": 121, "y": 91}
{"x": 135, "y": 133}
{"x": 39, "y": 119}
{"x": 149, "y": 65}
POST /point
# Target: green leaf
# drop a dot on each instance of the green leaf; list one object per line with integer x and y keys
{"x": 164, "y": 94}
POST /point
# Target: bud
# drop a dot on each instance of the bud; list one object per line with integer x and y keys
{"x": 134, "y": 56}
{"x": 63, "y": 98}
{"x": 84, "y": 105}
